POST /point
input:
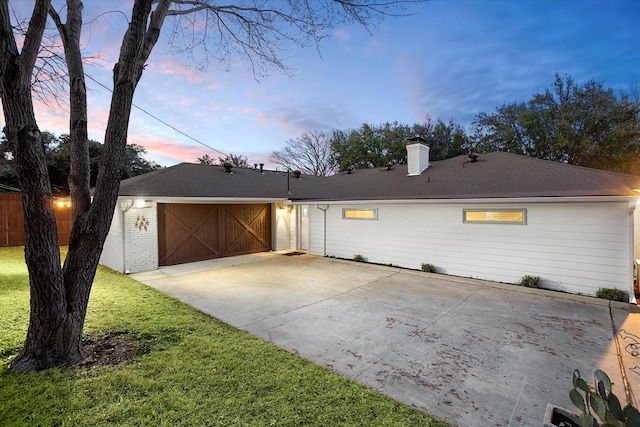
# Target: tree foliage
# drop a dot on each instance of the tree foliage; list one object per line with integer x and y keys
{"x": 57, "y": 152}
{"x": 375, "y": 146}
{"x": 255, "y": 32}
{"x": 585, "y": 125}
{"x": 235, "y": 160}
{"x": 309, "y": 153}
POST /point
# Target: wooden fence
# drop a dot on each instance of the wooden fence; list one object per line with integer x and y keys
{"x": 12, "y": 221}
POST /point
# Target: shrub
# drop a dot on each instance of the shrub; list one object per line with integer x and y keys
{"x": 612, "y": 294}
{"x": 358, "y": 258}
{"x": 529, "y": 281}
{"x": 428, "y": 268}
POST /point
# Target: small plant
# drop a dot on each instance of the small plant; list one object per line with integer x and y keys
{"x": 529, "y": 281}
{"x": 428, "y": 268}
{"x": 601, "y": 402}
{"x": 612, "y": 294}
{"x": 358, "y": 258}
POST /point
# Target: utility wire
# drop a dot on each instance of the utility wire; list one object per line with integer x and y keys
{"x": 160, "y": 120}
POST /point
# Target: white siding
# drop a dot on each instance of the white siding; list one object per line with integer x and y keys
{"x": 573, "y": 247}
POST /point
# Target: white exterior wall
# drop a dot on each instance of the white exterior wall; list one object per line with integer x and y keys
{"x": 112, "y": 252}
{"x": 132, "y": 243}
{"x": 141, "y": 239}
{"x": 573, "y": 247}
{"x": 285, "y": 229}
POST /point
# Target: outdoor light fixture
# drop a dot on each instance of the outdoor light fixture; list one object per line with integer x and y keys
{"x": 282, "y": 209}
{"x": 140, "y": 203}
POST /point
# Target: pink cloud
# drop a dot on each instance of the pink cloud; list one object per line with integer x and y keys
{"x": 168, "y": 148}
{"x": 179, "y": 70}
{"x": 263, "y": 117}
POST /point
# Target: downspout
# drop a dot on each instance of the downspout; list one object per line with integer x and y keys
{"x": 632, "y": 209}
{"x": 324, "y": 238}
{"x": 127, "y": 206}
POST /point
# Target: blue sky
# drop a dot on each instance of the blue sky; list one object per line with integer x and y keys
{"x": 451, "y": 59}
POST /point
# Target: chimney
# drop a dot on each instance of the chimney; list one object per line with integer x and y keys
{"x": 417, "y": 155}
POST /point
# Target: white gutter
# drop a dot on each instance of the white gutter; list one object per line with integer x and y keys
{"x": 198, "y": 200}
{"x": 572, "y": 199}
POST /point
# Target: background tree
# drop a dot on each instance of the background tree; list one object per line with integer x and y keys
{"x": 370, "y": 146}
{"x": 245, "y": 30}
{"x": 375, "y": 146}
{"x": 235, "y": 160}
{"x": 206, "y": 160}
{"x": 309, "y": 153}
{"x": 57, "y": 152}
{"x": 134, "y": 162}
{"x": 584, "y": 125}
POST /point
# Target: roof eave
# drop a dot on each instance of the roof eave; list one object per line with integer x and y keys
{"x": 545, "y": 199}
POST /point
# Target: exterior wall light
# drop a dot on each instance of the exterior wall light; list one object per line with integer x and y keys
{"x": 140, "y": 204}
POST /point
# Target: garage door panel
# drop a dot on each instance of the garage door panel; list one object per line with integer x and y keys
{"x": 245, "y": 230}
{"x": 188, "y": 232}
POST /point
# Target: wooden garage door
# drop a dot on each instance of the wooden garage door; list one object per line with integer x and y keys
{"x": 188, "y": 233}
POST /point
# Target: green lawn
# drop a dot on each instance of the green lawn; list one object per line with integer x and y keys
{"x": 190, "y": 369}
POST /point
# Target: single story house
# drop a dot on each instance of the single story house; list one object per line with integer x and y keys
{"x": 495, "y": 216}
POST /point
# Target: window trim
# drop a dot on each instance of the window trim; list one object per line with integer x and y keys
{"x": 374, "y": 212}
{"x": 523, "y": 211}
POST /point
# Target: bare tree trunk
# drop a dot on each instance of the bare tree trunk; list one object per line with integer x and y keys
{"x": 46, "y": 344}
{"x": 59, "y": 297}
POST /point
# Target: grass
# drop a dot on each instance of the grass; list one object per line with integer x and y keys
{"x": 190, "y": 370}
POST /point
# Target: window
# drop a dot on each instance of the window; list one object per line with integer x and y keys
{"x": 495, "y": 216}
{"x": 360, "y": 213}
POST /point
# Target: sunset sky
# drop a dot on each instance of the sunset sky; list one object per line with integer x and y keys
{"x": 451, "y": 59}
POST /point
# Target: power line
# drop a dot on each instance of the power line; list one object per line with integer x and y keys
{"x": 161, "y": 121}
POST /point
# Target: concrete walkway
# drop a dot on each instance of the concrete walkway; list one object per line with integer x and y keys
{"x": 472, "y": 353}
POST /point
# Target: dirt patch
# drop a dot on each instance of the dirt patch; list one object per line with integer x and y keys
{"x": 113, "y": 349}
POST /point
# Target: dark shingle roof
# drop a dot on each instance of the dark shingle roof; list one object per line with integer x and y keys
{"x": 197, "y": 180}
{"x": 493, "y": 175}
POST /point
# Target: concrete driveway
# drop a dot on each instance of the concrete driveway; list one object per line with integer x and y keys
{"x": 470, "y": 352}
